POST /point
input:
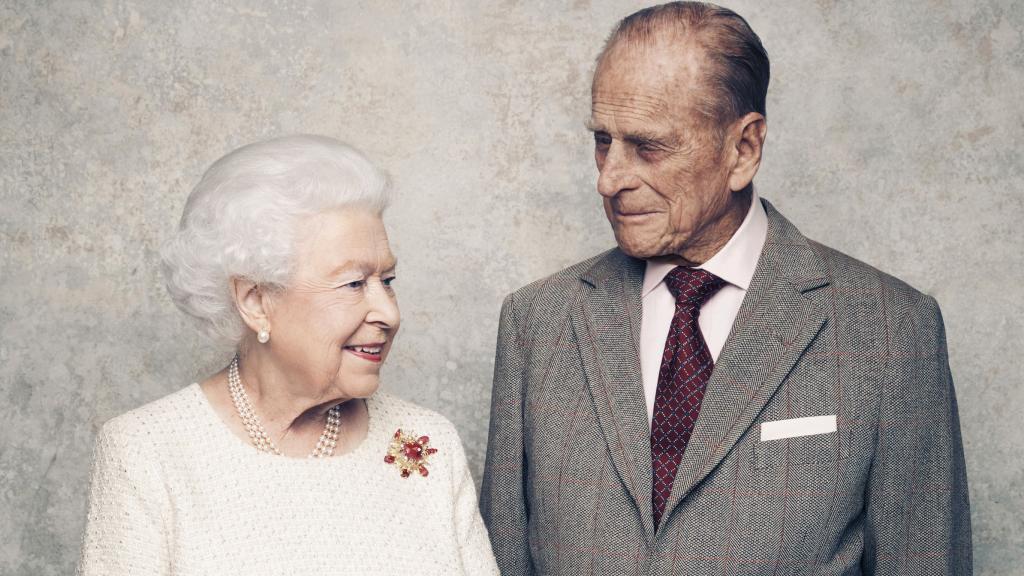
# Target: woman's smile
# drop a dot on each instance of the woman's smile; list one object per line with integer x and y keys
{"x": 371, "y": 352}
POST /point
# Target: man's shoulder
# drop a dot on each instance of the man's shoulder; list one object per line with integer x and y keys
{"x": 861, "y": 283}
{"x": 566, "y": 281}
{"x": 854, "y": 279}
{"x": 547, "y": 301}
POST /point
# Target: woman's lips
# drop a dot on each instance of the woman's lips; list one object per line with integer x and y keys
{"x": 373, "y": 352}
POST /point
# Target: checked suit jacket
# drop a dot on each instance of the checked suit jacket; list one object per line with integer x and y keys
{"x": 567, "y": 483}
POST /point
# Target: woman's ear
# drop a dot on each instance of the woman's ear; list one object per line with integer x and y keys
{"x": 749, "y": 143}
{"x": 251, "y": 301}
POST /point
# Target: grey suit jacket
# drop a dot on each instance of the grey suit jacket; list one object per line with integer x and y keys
{"x": 567, "y": 484}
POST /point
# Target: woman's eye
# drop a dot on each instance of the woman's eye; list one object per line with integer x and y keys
{"x": 354, "y": 285}
{"x": 388, "y": 281}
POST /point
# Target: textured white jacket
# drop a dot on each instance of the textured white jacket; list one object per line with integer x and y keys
{"x": 174, "y": 491}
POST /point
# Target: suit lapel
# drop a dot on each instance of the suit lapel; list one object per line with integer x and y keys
{"x": 777, "y": 321}
{"x": 607, "y": 326}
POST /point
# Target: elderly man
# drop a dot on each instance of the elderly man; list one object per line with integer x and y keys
{"x": 718, "y": 394}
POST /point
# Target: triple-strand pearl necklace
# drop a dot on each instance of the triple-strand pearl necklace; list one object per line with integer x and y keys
{"x": 258, "y": 434}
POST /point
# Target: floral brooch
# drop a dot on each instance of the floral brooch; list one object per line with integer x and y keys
{"x": 409, "y": 453}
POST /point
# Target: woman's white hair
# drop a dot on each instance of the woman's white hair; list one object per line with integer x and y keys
{"x": 241, "y": 219}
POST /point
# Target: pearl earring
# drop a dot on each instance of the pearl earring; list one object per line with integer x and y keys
{"x": 263, "y": 336}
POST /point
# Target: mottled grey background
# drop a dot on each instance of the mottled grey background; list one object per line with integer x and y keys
{"x": 895, "y": 134}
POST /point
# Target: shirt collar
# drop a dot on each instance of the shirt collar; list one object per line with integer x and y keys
{"x": 735, "y": 262}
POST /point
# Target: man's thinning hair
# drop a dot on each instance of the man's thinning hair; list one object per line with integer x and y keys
{"x": 737, "y": 80}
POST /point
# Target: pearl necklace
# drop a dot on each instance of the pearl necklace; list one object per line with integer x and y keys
{"x": 258, "y": 434}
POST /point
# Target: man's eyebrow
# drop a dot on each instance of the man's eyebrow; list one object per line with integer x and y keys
{"x": 592, "y": 126}
{"x": 636, "y": 137}
{"x": 642, "y": 137}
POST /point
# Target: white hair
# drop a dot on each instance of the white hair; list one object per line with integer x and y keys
{"x": 241, "y": 219}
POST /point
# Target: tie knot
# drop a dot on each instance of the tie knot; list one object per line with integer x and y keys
{"x": 692, "y": 286}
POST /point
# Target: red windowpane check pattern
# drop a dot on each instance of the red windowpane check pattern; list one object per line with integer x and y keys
{"x": 685, "y": 369}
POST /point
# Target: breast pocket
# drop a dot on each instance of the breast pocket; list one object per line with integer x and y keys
{"x": 804, "y": 451}
{"x": 789, "y": 496}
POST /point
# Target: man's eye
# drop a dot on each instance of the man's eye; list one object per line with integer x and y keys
{"x": 602, "y": 140}
{"x": 648, "y": 149}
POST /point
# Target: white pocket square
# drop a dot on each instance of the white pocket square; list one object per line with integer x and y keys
{"x": 797, "y": 427}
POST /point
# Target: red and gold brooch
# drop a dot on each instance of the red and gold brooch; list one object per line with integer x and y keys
{"x": 409, "y": 453}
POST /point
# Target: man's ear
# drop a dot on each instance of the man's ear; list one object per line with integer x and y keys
{"x": 748, "y": 134}
{"x": 251, "y": 301}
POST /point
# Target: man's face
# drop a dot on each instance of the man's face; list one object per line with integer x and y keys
{"x": 662, "y": 177}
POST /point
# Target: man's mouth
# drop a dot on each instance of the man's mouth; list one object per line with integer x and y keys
{"x": 623, "y": 214}
{"x": 629, "y": 211}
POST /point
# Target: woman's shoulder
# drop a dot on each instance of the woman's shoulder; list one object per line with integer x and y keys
{"x": 151, "y": 424}
{"x": 398, "y": 413}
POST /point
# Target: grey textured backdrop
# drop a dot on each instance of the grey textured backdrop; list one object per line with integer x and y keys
{"x": 894, "y": 136}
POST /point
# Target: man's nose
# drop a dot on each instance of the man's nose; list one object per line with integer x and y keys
{"x": 616, "y": 171}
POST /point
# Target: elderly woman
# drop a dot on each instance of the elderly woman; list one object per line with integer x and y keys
{"x": 289, "y": 460}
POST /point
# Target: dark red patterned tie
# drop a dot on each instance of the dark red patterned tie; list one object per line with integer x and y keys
{"x": 685, "y": 369}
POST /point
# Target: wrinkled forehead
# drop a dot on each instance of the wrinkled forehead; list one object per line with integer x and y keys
{"x": 615, "y": 103}
{"x": 654, "y": 78}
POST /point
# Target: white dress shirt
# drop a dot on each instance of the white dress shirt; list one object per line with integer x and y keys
{"x": 734, "y": 263}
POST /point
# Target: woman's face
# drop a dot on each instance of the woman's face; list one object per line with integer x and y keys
{"x": 331, "y": 329}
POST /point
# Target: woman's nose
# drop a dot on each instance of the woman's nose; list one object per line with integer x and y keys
{"x": 383, "y": 305}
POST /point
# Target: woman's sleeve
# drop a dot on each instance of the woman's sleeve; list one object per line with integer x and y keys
{"x": 126, "y": 529}
{"x": 474, "y": 545}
